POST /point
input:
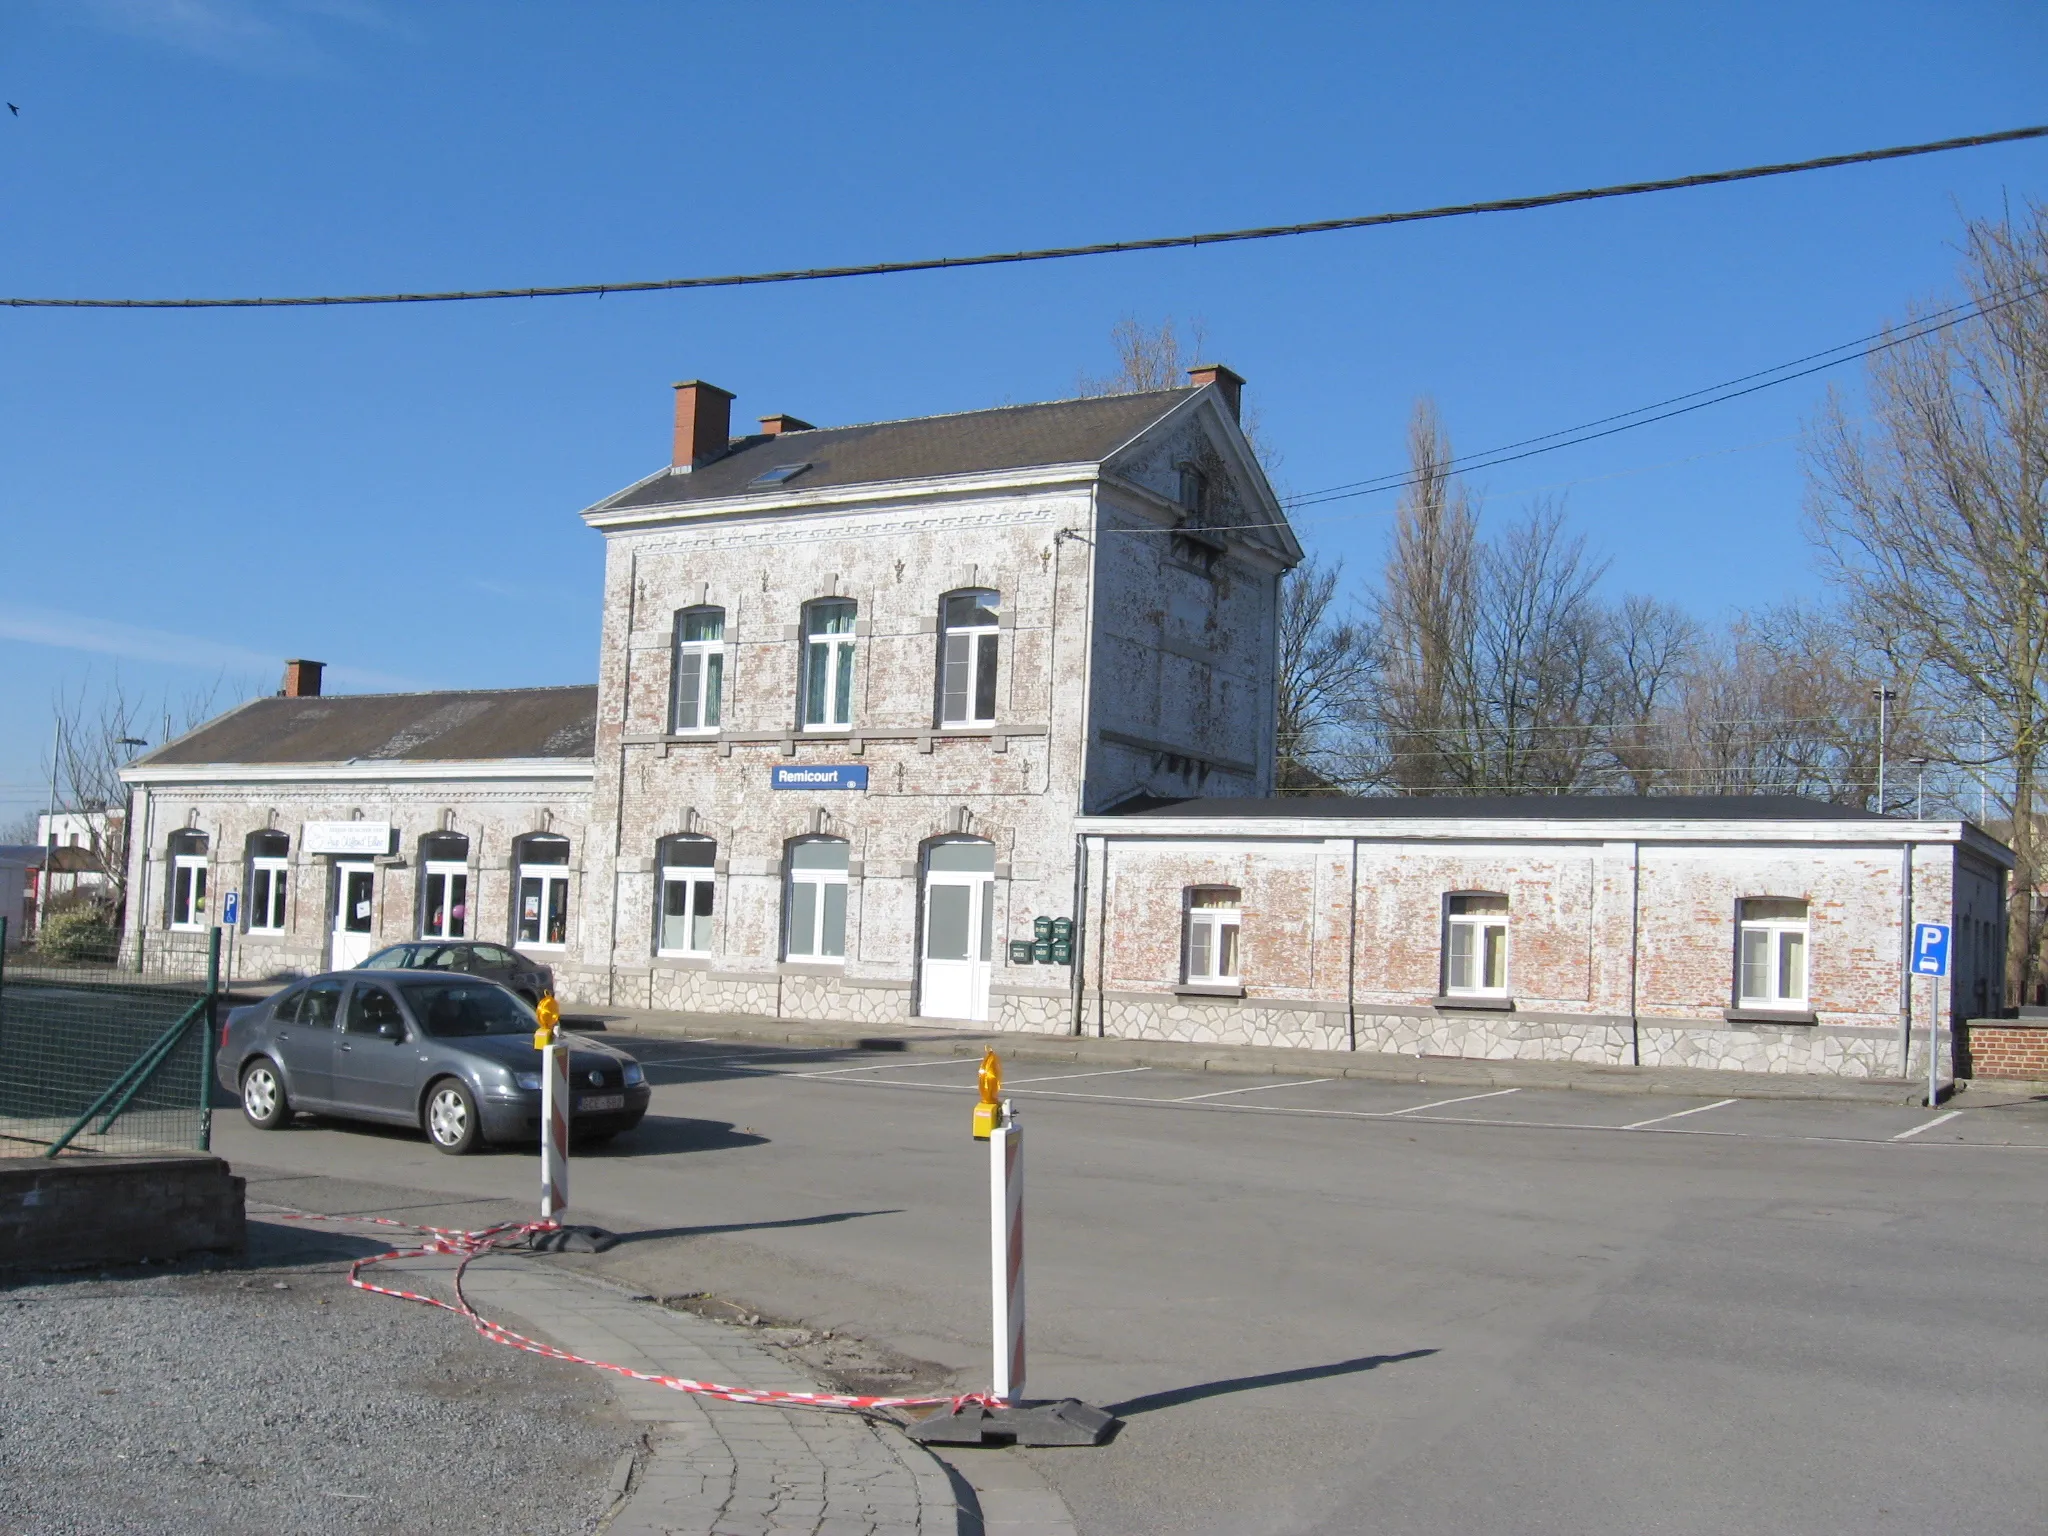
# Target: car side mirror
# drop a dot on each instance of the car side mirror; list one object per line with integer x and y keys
{"x": 391, "y": 1029}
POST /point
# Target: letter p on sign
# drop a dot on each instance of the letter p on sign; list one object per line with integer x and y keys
{"x": 1930, "y": 949}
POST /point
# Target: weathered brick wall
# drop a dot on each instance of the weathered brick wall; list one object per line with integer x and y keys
{"x": 492, "y": 814}
{"x": 2004, "y": 1048}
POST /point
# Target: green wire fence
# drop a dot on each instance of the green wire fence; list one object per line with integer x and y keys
{"x": 97, "y": 1059}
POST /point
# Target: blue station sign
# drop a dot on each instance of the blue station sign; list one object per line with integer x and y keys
{"x": 820, "y": 776}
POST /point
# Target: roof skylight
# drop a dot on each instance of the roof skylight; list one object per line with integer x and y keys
{"x": 781, "y": 474}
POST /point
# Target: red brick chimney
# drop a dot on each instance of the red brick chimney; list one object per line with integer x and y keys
{"x": 703, "y": 422}
{"x": 775, "y": 426}
{"x": 302, "y": 679}
{"x": 1230, "y": 383}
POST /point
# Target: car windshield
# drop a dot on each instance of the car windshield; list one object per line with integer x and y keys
{"x": 465, "y": 1008}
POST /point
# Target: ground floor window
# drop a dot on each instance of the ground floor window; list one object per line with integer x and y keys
{"x": 689, "y": 894}
{"x": 267, "y": 883}
{"x": 444, "y": 909}
{"x": 1476, "y": 944}
{"x": 1771, "y": 953}
{"x": 816, "y": 899}
{"x": 543, "y": 907}
{"x": 188, "y": 852}
{"x": 1215, "y": 918}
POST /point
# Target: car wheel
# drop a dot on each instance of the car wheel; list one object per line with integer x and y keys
{"x": 451, "y": 1118}
{"x": 263, "y": 1096}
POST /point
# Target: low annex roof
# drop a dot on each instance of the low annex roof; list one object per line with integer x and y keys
{"x": 475, "y": 725}
{"x": 1504, "y": 808}
{"x": 969, "y": 442}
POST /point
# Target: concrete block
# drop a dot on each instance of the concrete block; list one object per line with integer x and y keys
{"x": 56, "y": 1213}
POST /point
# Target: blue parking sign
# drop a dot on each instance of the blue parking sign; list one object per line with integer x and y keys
{"x": 231, "y": 908}
{"x": 1930, "y": 949}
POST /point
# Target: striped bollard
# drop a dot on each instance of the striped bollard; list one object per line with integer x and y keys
{"x": 554, "y": 1111}
{"x": 1006, "y": 1252}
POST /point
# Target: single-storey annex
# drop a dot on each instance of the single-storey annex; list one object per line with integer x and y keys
{"x": 971, "y": 717}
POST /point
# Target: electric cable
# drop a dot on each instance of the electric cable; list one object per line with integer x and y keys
{"x": 1061, "y": 253}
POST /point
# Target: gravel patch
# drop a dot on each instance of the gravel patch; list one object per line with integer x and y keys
{"x": 280, "y": 1399}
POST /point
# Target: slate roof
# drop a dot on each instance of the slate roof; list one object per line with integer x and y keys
{"x": 1506, "y": 808}
{"x": 971, "y": 442}
{"x": 465, "y": 726}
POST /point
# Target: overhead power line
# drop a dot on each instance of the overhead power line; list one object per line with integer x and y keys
{"x": 1061, "y": 253}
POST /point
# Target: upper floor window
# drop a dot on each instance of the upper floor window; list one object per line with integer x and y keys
{"x": 1771, "y": 952}
{"x": 269, "y": 877}
{"x": 827, "y": 685}
{"x": 967, "y": 659}
{"x": 697, "y": 691}
{"x": 444, "y": 886}
{"x": 816, "y": 899}
{"x": 1215, "y": 916}
{"x": 688, "y": 895}
{"x": 1194, "y": 492}
{"x": 1476, "y": 944}
{"x": 188, "y": 880}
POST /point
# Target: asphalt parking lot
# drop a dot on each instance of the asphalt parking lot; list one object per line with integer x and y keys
{"x": 1337, "y": 1306}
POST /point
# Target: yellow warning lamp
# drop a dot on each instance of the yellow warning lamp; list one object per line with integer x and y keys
{"x": 549, "y": 1012}
{"x": 990, "y": 1080}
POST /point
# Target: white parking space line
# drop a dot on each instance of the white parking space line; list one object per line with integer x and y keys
{"x": 1260, "y": 1088}
{"x": 1067, "y": 1077}
{"x": 1954, "y": 1114}
{"x": 1416, "y": 1109}
{"x": 1677, "y": 1114}
{"x": 890, "y": 1066}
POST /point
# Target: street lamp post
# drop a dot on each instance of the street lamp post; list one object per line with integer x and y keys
{"x": 1884, "y": 697}
{"x": 1919, "y": 788}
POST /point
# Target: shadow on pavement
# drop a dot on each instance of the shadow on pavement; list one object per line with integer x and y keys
{"x": 1152, "y": 1402}
{"x": 830, "y": 1218}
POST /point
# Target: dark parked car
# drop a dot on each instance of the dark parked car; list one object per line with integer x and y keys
{"x": 450, "y": 1054}
{"x": 494, "y": 962}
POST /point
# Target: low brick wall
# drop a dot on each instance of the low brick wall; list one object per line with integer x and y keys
{"x": 116, "y": 1210}
{"x": 2004, "y": 1048}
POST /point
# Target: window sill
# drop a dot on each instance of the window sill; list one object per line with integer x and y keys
{"x": 1769, "y": 1016}
{"x": 683, "y": 962}
{"x": 812, "y": 967}
{"x": 1461, "y": 1001}
{"x": 1209, "y": 989}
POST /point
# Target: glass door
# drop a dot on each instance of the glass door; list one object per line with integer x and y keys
{"x": 355, "y": 914}
{"x": 959, "y": 930}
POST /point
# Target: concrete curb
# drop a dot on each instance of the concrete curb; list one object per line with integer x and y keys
{"x": 832, "y": 1034}
{"x": 714, "y": 1468}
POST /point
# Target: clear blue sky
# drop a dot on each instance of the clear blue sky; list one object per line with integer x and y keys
{"x": 193, "y": 496}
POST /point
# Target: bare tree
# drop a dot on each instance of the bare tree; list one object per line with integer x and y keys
{"x": 1651, "y": 649}
{"x": 1325, "y": 668}
{"x": 1933, "y": 518}
{"x": 1159, "y": 357}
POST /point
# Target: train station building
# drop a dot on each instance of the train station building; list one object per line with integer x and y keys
{"x": 971, "y": 718}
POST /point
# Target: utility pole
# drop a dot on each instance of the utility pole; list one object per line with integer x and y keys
{"x": 1884, "y": 697}
{"x": 1919, "y": 789}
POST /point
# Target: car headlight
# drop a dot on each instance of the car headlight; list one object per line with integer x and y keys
{"x": 635, "y": 1074}
{"x": 527, "y": 1080}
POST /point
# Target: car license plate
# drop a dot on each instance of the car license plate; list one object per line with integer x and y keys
{"x": 597, "y": 1103}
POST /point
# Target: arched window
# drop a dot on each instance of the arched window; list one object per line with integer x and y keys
{"x": 269, "y": 855}
{"x": 826, "y": 701}
{"x": 444, "y": 886}
{"x": 188, "y": 881}
{"x": 1771, "y": 953}
{"x": 1214, "y": 922}
{"x": 967, "y": 658}
{"x": 697, "y": 680}
{"x": 1476, "y": 944}
{"x": 689, "y": 892}
{"x": 542, "y": 918}
{"x": 815, "y": 899}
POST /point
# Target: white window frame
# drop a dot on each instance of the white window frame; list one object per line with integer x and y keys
{"x": 697, "y": 676}
{"x": 1214, "y": 946}
{"x": 1773, "y": 936}
{"x": 971, "y": 653}
{"x": 446, "y": 870}
{"x": 700, "y": 905}
{"x": 1472, "y": 929}
{"x": 269, "y": 887}
{"x": 821, "y": 883}
{"x": 830, "y": 657}
{"x": 189, "y": 871}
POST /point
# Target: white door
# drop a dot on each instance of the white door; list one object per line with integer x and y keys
{"x": 959, "y": 930}
{"x": 355, "y": 914}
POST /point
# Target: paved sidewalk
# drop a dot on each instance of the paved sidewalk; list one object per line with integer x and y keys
{"x": 709, "y": 1467}
{"x": 1455, "y": 1071}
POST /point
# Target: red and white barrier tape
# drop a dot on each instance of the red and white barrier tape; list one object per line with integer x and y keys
{"x": 467, "y": 1246}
